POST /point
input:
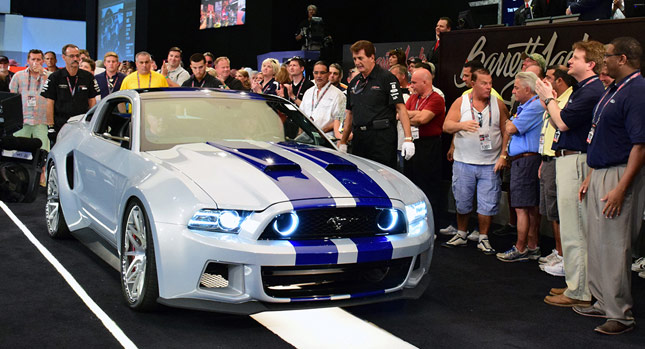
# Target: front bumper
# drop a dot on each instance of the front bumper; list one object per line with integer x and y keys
{"x": 184, "y": 257}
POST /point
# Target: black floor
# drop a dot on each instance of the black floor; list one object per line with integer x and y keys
{"x": 473, "y": 300}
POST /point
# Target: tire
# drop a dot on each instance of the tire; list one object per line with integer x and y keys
{"x": 56, "y": 224}
{"x": 138, "y": 267}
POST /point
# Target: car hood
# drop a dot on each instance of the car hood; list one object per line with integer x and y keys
{"x": 253, "y": 175}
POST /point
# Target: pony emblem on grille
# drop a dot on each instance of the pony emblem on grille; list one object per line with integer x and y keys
{"x": 338, "y": 222}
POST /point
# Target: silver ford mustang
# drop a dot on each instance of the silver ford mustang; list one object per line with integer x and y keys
{"x": 233, "y": 202}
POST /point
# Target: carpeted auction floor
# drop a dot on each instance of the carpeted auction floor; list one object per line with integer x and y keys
{"x": 473, "y": 301}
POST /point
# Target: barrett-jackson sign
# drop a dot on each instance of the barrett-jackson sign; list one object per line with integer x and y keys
{"x": 500, "y": 49}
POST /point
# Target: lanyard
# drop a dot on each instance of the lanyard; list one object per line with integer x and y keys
{"x": 266, "y": 87}
{"x": 149, "y": 80}
{"x": 314, "y": 106}
{"x": 424, "y": 101}
{"x": 302, "y": 82}
{"x": 202, "y": 84}
{"x": 29, "y": 83}
{"x": 111, "y": 85}
{"x": 596, "y": 114}
{"x": 587, "y": 83}
{"x": 472, "y": 112}
{"x": 69, "y": 84}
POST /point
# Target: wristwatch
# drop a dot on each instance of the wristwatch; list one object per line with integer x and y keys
{"x": 408, "y": 139}
{"x": 505, "y": 157}
{"x": 548, "y": 100}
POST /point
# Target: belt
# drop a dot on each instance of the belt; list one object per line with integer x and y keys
{"x": 515, "y": 157}
{"x": 547, "y": 158}
{"x": 380, "y": 124}
{"x": 564, "y": 152}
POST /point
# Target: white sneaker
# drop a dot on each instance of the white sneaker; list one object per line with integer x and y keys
{"x": 485, "y": 247}
{"x": 546, "y": 259}
{"x": 449, "y": 230}
{"x": 553, "y": 261}
{"x": 456, "y": 241}
{"x": 474, "y": 236}
{"x": 555, "y": 270}
{"x": 639, "y": 265}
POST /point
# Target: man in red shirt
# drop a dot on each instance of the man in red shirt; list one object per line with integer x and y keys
{"x": 426, "y": 109}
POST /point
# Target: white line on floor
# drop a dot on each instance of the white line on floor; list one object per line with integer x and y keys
{"x": 105, "y": 319}
{"x": 327, "y": 328}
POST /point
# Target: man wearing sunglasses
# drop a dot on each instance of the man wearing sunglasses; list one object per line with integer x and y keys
{"x": 373, "y": 101}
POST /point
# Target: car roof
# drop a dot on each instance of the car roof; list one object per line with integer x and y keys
{"x": 196, "y": 92}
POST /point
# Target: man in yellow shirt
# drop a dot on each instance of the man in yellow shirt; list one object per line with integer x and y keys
{"x": 562, "y": 84}
{"x": 144, "y": 77}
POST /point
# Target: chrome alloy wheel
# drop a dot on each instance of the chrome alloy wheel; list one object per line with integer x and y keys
{"x": 52, "y": 208}
{"x": 133, "y": 258}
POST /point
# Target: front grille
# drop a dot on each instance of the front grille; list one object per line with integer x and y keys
{"x": 329, "y": 280}
{"x": 334, "y": 223}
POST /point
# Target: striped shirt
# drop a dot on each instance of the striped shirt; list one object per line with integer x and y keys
{"x": 34, "y": 106}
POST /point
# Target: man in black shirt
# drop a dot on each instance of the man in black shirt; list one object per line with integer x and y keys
{"x": 69, "y": 91}
{"x": 373, "y": 100}
{"x": 223, "y": 70}
{"x": 298, "y": 86}
{"x": 5, "y": 74}
{"x": 200, "y": 78}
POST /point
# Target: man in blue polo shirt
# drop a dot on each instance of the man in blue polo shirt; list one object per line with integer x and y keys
{"x": 616, "y": 186}
{"x": 572, "y": 125}
{"x": 524, "y": 129}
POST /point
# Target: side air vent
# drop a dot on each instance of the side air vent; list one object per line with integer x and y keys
{"x": 69, "y": 169}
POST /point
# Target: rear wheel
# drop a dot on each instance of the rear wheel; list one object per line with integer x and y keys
{"x": 56, "y": 225}
{"x": 138, "y": 267}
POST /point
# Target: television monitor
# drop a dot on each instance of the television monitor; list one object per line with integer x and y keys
{"x": 222, "y": 13}
{"x": 10, "y": 113}
{"x": 116, "y": 24}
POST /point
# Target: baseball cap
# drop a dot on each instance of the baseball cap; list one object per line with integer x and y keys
{"x": 536, "y": 57}
{"x": 414, "y": 60}
{"x": 4, "y": 59}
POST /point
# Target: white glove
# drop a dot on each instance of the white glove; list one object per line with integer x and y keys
{"x": 342, "y": 148}
{"x": 407, "y": 150}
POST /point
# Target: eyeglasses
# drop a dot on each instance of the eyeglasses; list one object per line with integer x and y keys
{"x": 607, "y": 55}
{"x": 360, "y": 86}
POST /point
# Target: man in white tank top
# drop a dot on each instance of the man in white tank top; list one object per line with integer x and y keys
{"x": 477, "y": 120}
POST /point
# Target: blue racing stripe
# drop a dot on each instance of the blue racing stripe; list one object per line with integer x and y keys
{"x": 297, "y": 184}
{"x": 357, "y": 182}
{"x": 367, "y": 294}
{"x": 373, "y": 249}
{"x": 315, "y": 252}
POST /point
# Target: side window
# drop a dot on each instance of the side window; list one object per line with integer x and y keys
{"x": 115, "y": 123}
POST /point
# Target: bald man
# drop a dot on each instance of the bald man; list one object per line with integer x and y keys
{"x": 426, "y": 109}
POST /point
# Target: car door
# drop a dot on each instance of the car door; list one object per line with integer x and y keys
{"x": 102, "y": 160}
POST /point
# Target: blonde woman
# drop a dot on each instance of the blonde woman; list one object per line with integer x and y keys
{"x": 270, "y": 67}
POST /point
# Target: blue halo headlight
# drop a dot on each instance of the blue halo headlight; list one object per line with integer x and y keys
{"x": 286, "y": 223}
{"x": 387, "y": 219}
{"x": 221, "y": 221}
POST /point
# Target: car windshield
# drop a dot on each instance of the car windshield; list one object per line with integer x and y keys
{"x": 169, "y": 122}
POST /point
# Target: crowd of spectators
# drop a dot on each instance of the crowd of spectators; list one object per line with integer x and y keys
{"x": 572, "y": 143}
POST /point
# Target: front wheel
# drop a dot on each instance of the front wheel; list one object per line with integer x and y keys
{"x": 138, "y": 268}
{"x": 56, "y": 225}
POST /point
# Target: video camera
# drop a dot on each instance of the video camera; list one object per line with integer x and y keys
{"x": 21, "y": 158}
